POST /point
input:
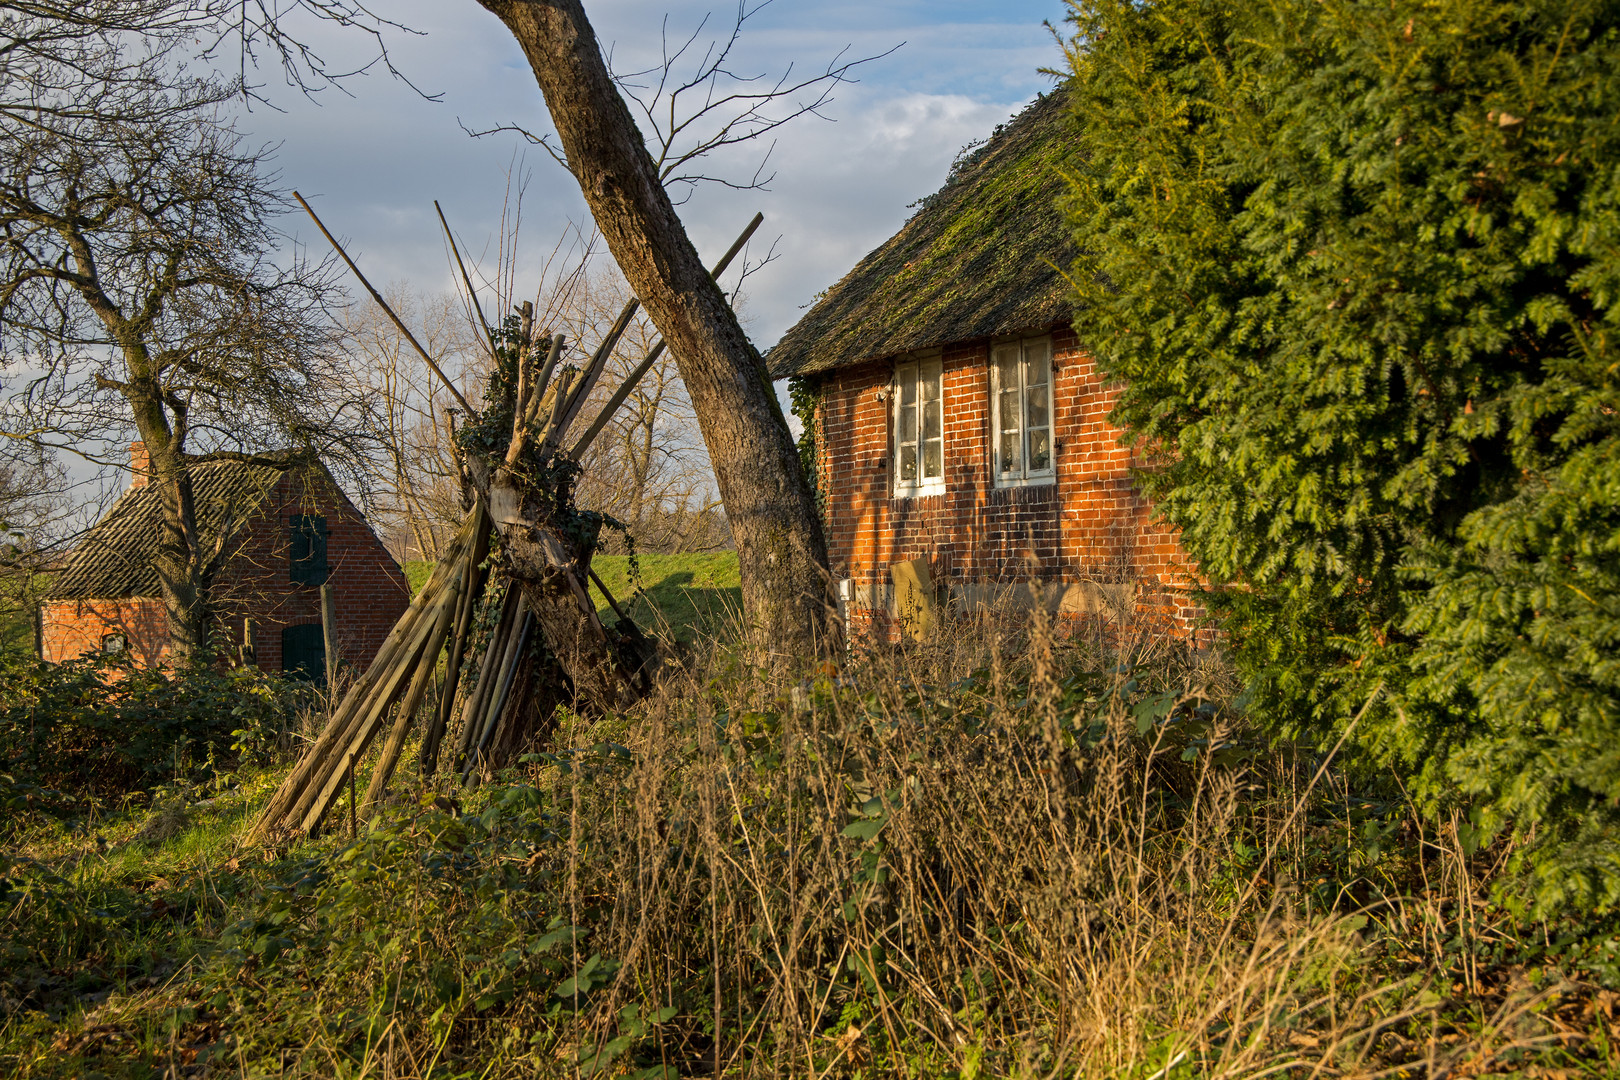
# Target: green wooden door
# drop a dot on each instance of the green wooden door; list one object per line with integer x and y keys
{"x": 303, "y": 652}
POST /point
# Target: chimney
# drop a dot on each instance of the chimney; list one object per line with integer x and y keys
{"x": 140, "y": 465}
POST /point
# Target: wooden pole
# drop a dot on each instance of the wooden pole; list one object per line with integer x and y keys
{"x": 377, "y": 296}
{"x": 475, "y": 578}
{"x": 495, "y": 648}
{"x": 413, "y": 699}
{"x": 337, "y": 726}
{"x": 509, "y": 666}
{"x": 657, "y": 350}
{"x": 612, "y": 603}
{"x": 353, "y": 828}
{"x": 319, "y": 796}
{"x": 592, "y": 372}
{"x": 329, "y": 634}
{"x": 472, "y": 294}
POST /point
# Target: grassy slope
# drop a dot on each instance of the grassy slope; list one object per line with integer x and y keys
{"x": 681, "y": 597}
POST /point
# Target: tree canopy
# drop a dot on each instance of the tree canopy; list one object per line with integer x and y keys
{"x": 1356, "y": 266}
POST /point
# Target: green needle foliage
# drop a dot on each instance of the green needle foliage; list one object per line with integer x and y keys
{"x": 1356, "y": 266}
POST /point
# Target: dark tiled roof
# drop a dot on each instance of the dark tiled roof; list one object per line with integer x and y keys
{"x": 114, "y": 560}
{"x": 977, "y": 260}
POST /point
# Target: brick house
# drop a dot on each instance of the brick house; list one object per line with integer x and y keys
{"x": 960, "y": 423}
{"x": 285, "y": 528}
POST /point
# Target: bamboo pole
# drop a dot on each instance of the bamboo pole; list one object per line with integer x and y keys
{"x": 413, "y": 698}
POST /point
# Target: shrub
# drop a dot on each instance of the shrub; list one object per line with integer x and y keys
{"x": 1356, "y": 266}
{"x": 101, "y": 724}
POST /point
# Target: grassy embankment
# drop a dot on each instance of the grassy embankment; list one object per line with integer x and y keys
{"x": 1002, "y": 855}
{"x": 677, "y": 597}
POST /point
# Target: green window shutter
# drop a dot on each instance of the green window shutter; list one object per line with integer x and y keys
{"x": 307, "y": 550}
{"x": 303, "y": 652}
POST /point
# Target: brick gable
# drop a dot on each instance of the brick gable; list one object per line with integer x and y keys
{"x": 254, "y": 586}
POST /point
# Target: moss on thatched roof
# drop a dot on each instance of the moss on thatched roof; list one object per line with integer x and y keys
{"x": 114, "y": 560}
{"x": 977, "y": 260}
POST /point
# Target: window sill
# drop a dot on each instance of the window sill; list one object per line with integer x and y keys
{"x": 919, "y": 491}
{"x": 1038, "y": 480}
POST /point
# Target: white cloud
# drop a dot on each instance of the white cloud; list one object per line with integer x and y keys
{"x": 372, "y": 163}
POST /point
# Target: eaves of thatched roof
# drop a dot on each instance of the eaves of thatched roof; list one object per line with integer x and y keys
{"x": 979, "y": 259}
{"x": 116, "y": 559}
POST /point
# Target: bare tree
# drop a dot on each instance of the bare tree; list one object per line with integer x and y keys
{"x": 66, "y": 61}
{"x": 36, "y": 522}
{"x": 137, "y": 282}
{"x": 415, "y": 495}
{"x": 782, "y": 554}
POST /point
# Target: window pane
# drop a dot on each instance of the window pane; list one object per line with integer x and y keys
{"x": 928, "y": 378}
{"x": 906, "y": 376}
{"x": 1007, "y": 370}
{"x": 1011, "y": 453}
{"x": 908, "y": 463}
{"x": 932, "y": 460}
{"x": 1037, "y": 407}
{"x": 931, "y": 420}
{"x": 1010, "y": 420}
{"x": 1040, "y": 449}
{"x": 908, "y": 423}
{"x": 1038, "y": 362}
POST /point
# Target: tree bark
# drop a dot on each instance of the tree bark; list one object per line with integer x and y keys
{"x": 781, "y": 552}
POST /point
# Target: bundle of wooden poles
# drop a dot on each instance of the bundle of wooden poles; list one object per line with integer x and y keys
{"x": 400, "y": 674}
{"x": 548, "y": 646}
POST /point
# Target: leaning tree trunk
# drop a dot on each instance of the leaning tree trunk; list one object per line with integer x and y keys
{"x": 781, "y": 552}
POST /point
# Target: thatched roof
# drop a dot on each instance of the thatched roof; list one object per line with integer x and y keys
{"x": 115, "y": 559}
{"x": 977, "y": 260}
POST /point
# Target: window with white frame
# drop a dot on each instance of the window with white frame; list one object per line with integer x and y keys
{"x": 1021, "y": 396}
{"x": 919, "y": 427}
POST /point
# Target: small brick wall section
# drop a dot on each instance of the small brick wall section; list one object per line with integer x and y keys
{"x": 1092, "y": 524}
{"x": 255, "y": 587}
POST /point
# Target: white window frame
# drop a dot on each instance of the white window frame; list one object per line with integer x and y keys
{"x": 1026, "y": 349}
{"x": 919, "y": 370}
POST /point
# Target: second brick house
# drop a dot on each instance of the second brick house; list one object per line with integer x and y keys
{"x": 284, "y": 529}
{"x": 961, "y": 426}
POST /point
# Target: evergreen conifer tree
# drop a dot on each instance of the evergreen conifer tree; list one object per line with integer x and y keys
{"x": 1356, "y": 266}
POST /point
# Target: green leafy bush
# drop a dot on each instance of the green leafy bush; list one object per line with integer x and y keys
{"x": 1356, "y": 266}
{"x": 102, "y": 724}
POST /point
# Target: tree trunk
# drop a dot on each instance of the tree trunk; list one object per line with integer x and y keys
{"x": 181, "y": 571}
{"x": 781, "y": 552}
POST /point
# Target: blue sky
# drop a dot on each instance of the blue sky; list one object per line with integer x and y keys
{"x": 372, "y": 162}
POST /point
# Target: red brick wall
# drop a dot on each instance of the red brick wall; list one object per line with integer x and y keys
{"x": 369, "y": 590}
{"x": 368, "y": 587}
{"x": 1091, "y": 525}
{"x": 71, "y": 628}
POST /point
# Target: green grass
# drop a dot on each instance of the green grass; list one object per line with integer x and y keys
{"x": 680, "y": 597}
{"x": 416, "y": 573}
{"x": 683, "y": 596}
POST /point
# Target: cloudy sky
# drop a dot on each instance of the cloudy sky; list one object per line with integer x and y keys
{"x": 372, "y": 162}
